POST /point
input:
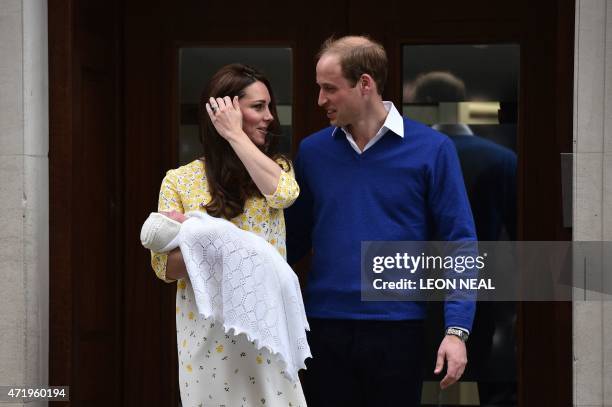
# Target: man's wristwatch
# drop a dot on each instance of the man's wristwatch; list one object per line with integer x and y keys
{"x": 460, "y": 333}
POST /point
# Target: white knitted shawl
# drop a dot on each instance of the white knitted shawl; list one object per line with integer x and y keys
{"x": 242, "y": 281}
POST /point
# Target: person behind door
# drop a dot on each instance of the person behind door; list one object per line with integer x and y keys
{"x": 373, "y": 175}
{"x": 240, "y": 178}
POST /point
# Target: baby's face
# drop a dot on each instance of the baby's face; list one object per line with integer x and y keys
{"x": 174, "y": 215}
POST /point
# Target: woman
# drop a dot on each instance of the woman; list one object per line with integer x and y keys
{"x": 242, "y": 179}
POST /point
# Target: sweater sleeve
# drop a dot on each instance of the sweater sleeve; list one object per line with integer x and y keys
{"x": 453, "y": 222}
{"x": 448, "y": 202}
{"x": 287, "y": 189}
{"x": 169, "y": 200}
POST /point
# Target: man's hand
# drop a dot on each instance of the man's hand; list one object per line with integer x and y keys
{"x": 452, "y": 349}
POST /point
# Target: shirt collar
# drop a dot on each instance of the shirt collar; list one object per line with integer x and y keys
{"x": 393, "y": 121}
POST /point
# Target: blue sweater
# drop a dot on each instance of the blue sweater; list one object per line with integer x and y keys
{"x": 407, "y": 188}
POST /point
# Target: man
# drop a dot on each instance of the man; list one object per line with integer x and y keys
{"x": 372, "y": 176}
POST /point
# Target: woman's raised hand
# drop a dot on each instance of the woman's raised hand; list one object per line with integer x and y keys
{"x": 226, "y": 116}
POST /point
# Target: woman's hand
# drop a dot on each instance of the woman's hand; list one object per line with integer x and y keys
{"x": 226, "y": 116}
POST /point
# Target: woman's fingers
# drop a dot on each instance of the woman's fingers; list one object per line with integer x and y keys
{"x": 209, "y": 111}
{"x": 225, "y": 116}
{"x": 221, "y": 103}
{"x": 213, "y": 105}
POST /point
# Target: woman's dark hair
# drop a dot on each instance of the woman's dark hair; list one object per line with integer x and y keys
{"x": 229, "y": 183}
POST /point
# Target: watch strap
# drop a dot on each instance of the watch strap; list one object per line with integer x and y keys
{"x": 458, "y": 332}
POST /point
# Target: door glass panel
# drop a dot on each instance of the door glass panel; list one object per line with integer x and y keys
{"x": 196, "y": 67}
{"x": 470, "y": 93}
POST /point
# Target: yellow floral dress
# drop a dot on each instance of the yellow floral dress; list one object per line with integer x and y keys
{"x": 215, "y": 368}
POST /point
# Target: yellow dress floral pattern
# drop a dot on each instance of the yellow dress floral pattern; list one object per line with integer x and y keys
{"x": 218, "y": 368}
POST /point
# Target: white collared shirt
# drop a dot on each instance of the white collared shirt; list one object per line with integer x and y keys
{"x": 393, "y": 122}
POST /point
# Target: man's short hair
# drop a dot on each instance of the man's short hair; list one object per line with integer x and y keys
{"x": 358, "y": 55}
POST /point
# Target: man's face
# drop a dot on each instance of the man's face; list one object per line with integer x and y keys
{"x": 340, "y": 100}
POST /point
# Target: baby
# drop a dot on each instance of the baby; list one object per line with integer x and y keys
{"x": 223, "y": 263}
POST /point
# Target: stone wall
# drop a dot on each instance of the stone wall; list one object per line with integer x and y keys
{"x": 24, "y": 193}
{"x": 593, "y": 193}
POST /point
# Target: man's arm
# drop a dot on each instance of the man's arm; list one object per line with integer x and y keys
{"x": 453, "y": 219}
{"x": 299, "y": 216}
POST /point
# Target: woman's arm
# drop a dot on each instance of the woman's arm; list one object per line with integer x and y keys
{"x": 287, "y": 190}
{"x": 264, "y": 171}
{"x": 175, "y": 265}
{"x": 169, "y": 266}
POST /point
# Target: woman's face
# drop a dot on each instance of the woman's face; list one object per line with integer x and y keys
{"x": 256, "y": 116}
